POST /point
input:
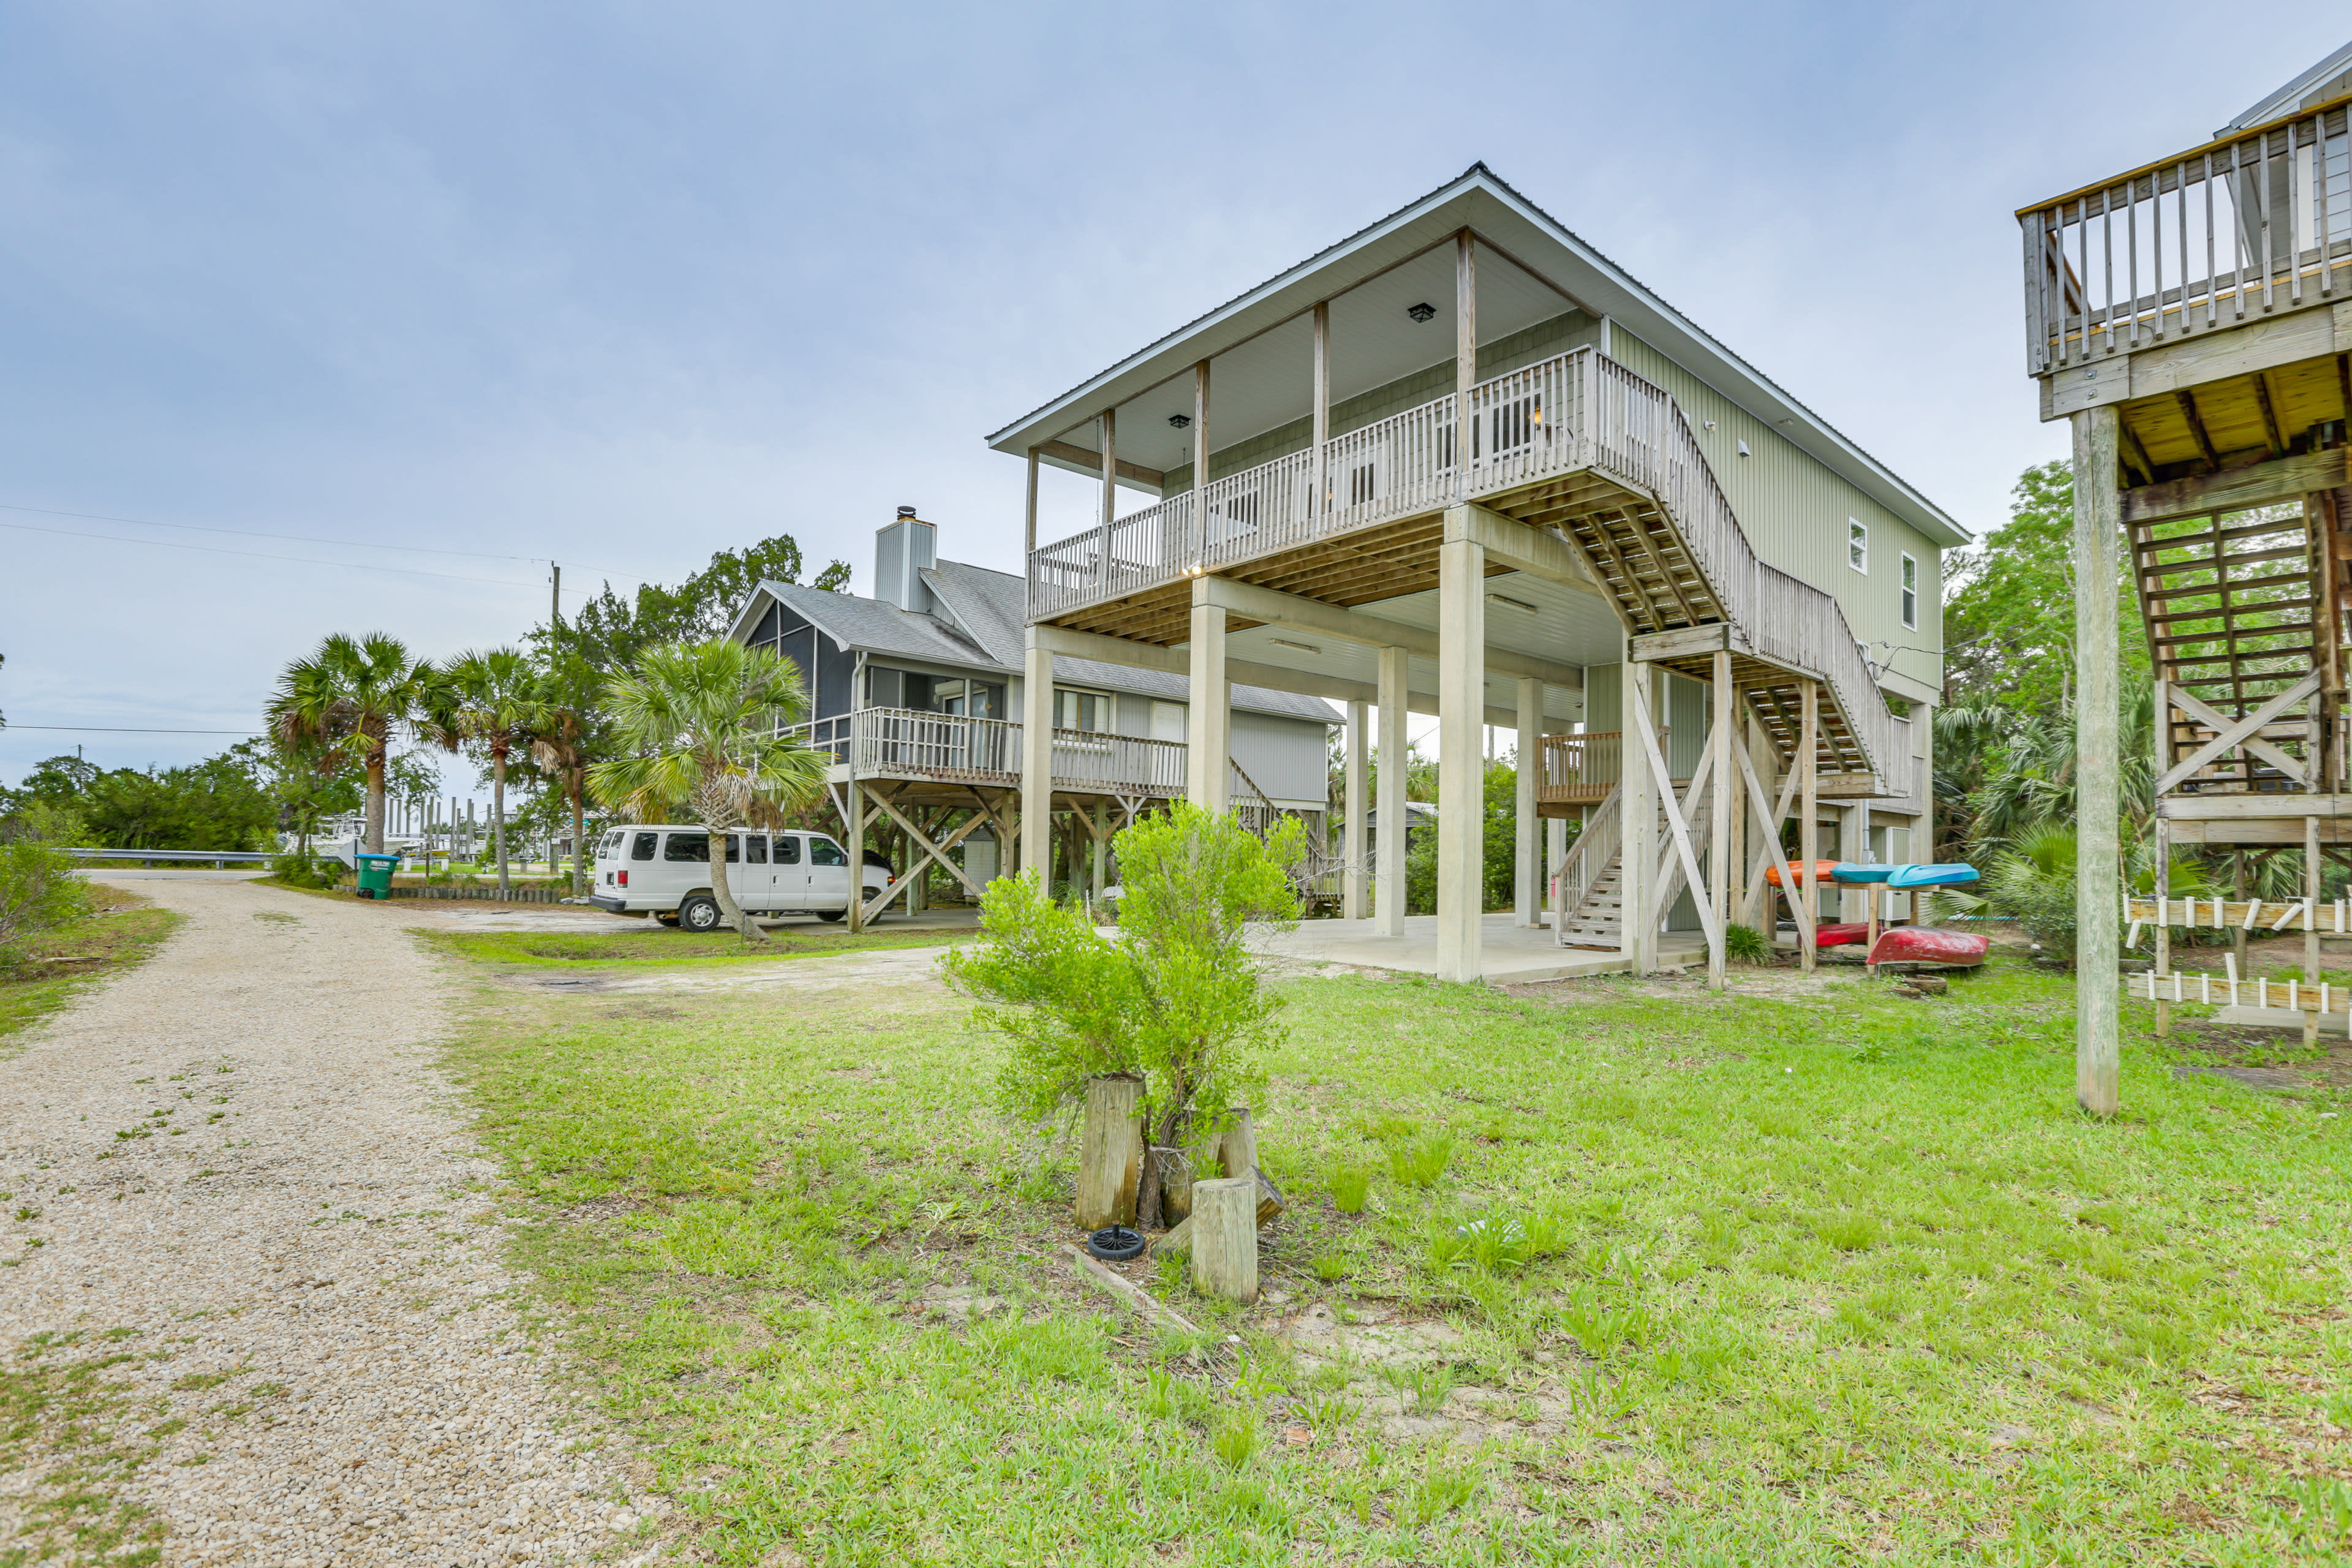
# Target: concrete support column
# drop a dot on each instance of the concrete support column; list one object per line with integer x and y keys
{"x": 1853, "y": 844}
{"x": 2098, "y": 517}
{"x": 1037, "y": 761}
{"x": 1720, "y": 870}
{"x": 1555, "y": 850}
{"x": 1809, "y": 818}
{"x": 1353, "y": 902}
{"x": 1461, "y": 767}
{"x": 1208, "y": 732}
{"x": 1526, "y": 885}
{"x": 1387, "y": 894}
{"x": 1637, "y": 808}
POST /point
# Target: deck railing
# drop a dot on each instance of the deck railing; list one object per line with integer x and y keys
{"x": 1575, "y": 410}
{"x": 2245, "y": 225}
{"x": 1579, "y": 768}
{"x": 906, "y": 743}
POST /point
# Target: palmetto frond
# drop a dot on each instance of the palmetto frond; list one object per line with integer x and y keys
{"x": 704, "y": 722}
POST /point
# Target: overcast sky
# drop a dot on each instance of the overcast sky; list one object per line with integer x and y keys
{"x": 624, "y": 285}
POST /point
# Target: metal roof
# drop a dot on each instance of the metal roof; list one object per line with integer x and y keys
{"x": 1533, "y": 242}
{"x": 2321, "y": 81}
{"x": 985, "y": 630}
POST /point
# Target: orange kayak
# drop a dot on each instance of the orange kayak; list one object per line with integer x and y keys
{"x": 1821, "y": 872}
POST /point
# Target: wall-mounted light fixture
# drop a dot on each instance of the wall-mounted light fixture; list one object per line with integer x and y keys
{"x": 1743, "y": 448}
{"x": 1182, "y": 421}
{"x": 1515, "y": 604}
{"x": 1420, "y": 312}
{"x": 1301, "y": 647}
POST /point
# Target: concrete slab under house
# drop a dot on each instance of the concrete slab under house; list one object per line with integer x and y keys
{"x": 1459, "y": 463}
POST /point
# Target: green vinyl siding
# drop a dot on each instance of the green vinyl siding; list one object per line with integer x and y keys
{"x": 1794, "y": 509}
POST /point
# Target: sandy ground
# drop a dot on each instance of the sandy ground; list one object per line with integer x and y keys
{"x": 242, "y": 1151}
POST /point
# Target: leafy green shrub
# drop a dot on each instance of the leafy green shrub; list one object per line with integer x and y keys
{"x": 1176, "y": 997}
{"x": 1350, "y": 1186}
{"x": 300, "y": 868}
{"x": 1746, "y": 944}
{"x": 38, "y": 887}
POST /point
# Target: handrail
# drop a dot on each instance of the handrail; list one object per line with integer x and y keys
{"x": 1573, "y": 410}
{"x": 1597, "y": 843}
{"x": 2135, "y": 259}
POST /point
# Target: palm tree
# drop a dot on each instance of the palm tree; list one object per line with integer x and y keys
{"x": 350, "y": 696}
{"x": 564, "y": 743}
{"x": 704, "y": 724}
{"x": 488, "y": 700}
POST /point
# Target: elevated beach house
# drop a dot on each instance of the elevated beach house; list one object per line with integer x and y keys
{"x": 918, "y": 692}
{"x": 1462, "y": 463}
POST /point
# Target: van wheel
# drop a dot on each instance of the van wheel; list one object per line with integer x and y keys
{"x": 831, "y": 914}
{"x": 699, "y": 913}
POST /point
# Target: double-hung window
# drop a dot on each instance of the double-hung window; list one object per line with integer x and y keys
{"x": 1910, "y": 593}
{"x": 1088, "y": 711}
{"x": 1857, "y": 545}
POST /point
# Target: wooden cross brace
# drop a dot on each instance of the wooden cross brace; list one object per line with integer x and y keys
{"x": 2232, "y": 734}
{"x": 933, "y": 855}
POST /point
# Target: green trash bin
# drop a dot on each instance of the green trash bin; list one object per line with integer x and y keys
{"x": 375, "y": 875}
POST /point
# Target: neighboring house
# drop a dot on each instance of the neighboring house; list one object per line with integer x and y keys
{"x": 2188, "y": 318}
{"x": 917, "y": 692}
{"x": 1463, "y": 463}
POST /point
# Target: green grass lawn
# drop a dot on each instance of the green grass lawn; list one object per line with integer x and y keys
{"x": 534, "y": 948}
{"x": 61, "y": 960}
{"x": 1815, "y": 1277}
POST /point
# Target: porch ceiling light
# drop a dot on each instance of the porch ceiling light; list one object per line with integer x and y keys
{"x": 1301, "y": 647}
{"x": 1182, "y": 421}
{"x": 1420, "y": 312}
{"x": 1515, "y": 604}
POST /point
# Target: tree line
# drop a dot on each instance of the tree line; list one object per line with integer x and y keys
{"x": 362, "y": 719}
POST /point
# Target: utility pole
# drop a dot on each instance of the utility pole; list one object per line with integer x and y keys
{"x": 554, "y": 597}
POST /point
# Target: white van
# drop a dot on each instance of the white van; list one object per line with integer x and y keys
{"x": 666, "y": 871}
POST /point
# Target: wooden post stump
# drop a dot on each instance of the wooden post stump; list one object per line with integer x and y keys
{"x": 1224, "y": 1234}
{"x": 1175, "y": 1184}
{"x": 1237, "y": 1147}
{"x": 1110, "y": 1153}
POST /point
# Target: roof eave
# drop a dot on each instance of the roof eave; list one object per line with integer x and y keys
{"x": 1605, "y": 289}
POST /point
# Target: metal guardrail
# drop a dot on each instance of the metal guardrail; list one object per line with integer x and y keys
{"x": 221, "y": 859}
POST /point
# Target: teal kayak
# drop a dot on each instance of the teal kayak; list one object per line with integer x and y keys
{"x": 1943, "y": 875}
{"x": 1853, "y": 872}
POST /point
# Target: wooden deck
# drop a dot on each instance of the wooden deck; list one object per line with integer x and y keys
{"x": 1576, "y": 448}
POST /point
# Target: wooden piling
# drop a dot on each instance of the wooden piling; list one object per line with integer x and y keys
{"x": 1110, "y": 1153}
{"x": 1223, "y": 1234}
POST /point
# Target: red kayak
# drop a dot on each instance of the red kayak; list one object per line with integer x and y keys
{"x": 1838, "y": 935}
{"x": 1926, "y": 944}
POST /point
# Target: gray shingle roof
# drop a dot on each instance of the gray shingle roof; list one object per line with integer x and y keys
{"x": 983, "y": 624}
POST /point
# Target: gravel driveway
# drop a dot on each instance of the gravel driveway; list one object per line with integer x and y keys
{"x": 244, "y": 1152}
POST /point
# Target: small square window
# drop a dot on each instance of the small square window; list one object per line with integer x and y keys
{"x": 1910, "y": 593}
{"x": 1857, "y": 546}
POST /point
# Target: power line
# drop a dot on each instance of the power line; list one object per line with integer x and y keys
{"x": 297, "y": 538}
{"x": 265, "y": 555}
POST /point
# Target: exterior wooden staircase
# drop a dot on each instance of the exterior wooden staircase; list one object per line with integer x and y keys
{"x": 2236, "y": 607}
